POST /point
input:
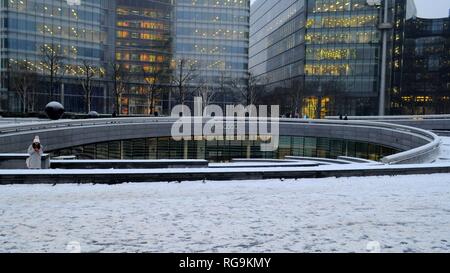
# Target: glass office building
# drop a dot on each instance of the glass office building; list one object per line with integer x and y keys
{"x": 277, "y": 51}
{"x": 144, "y": 49}
{"x": 324, "y": 56}
{"x": 50, "y": 43}
{"x": 212, "y": 41}
{"x": 145, "y": 39}
{"x": 342, "y": 58}
{"x": 424, "y": 82}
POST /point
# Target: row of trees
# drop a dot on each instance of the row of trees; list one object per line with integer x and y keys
{"x": 25, "y": 81}
{"x": 180, "y": 83}
{"x": 183, "y": 82}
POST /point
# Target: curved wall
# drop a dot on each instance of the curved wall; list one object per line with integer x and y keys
{"x": 419, "y": 145}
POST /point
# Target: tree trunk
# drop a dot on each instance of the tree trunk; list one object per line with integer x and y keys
{"x": 119, "y": 104}
{"x": 52, "y": 79}
{"x": 89, "y": 103}
{"x": 116, "y": 98}
{"x": 31, "y": 101}
{"x": 24, "y": 102}
{"x": 152, "y": 103}
{"x": 148, "y": 105}
{"x": 89, "y": 100}
{"x": 87, "y": 106}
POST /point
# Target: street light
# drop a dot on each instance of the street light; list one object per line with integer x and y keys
{"x": 384, "y": 27}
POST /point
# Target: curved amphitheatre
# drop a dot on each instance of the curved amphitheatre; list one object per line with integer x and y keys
{"x": 416, "y": 146}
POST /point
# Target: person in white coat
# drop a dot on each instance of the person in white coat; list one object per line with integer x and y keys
{"x": 34, "y": 161}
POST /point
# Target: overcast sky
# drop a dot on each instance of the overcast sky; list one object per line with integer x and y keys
{"x": 431, "y": 8}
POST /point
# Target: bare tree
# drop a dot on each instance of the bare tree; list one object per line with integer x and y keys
{"x": 24, "y": 81}
{"x": 120, "y": 78}
{"x": 247, "y": 93}
{"x": 152, "y": 81}
{"x": 329, "y": 96}
{"x": 184, "y": 75}
{"x": 224, "y": 83}
{"x": 338, "y": 99}
{"x": 289, "y": 98}
{"x": 207, "y": 93}
{"x": 52, "y": 59}
{"x": 89, "y": 72}
{"x": 284, "y": 95}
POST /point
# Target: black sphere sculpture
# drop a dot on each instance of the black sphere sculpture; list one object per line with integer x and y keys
{"x": 93, "y": 114}
{"x": 54, "y": 110}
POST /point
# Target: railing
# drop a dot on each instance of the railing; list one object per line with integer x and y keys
{"x": 27, "y": 127}
{"x": 403, "y": 157}
{"x": 423, "y": 151}
{"x": 426, "y": 151}
{"x": 402, "y": 117}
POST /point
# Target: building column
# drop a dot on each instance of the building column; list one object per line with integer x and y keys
{"x": 121, "y": 150}
{"x": 105, "y": 100}
{"x": 201, "y": 152}
{"x": 185, "y": 149}
{"x": 385, "y": 26}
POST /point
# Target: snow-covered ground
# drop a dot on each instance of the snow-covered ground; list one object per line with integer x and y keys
{"x": 444, "y": 155}
{"x": 402, "y": 214}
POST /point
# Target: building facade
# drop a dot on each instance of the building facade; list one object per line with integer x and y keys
{"x": 144, "y": 50}
{"x": 122, "y": 56}
{"x": 48, "y": 48}
{"x": 277, "y": 51}
{"x": 324, "y": 56}
{"x": 211, "y": 54}
{"x": 424, "y": 82}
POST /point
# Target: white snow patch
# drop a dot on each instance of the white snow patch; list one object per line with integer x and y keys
{"x": 403, "y": 214}
{"x": 444, "y": 154}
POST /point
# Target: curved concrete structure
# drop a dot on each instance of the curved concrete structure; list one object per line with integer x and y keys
{"x": 436, "y": 123}
{"x": 211, "y": 174}
{"x": 418, "y": 145}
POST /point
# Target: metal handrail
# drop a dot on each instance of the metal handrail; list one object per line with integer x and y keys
{"x": 23, "y": 127}
{"x": 432, "y": 146}
{"x": 401, "y": 117}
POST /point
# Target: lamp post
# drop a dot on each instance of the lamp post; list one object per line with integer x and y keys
{"x": 384, "y": 27}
